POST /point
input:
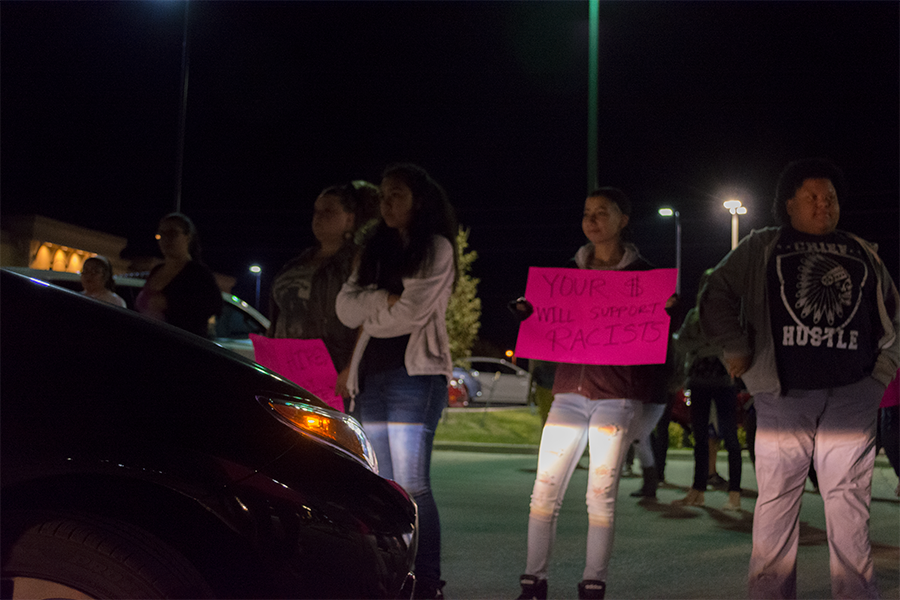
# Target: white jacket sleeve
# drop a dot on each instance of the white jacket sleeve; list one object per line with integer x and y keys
{"x": 422, "y": 294}
{"x": 354, "y": 304}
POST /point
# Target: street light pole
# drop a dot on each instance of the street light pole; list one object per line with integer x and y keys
{"x": 593, "y": 92}
{"x": 735, "y": 208}
{"x": 257, "y": 270}
{"x": 182, "y": 117}
{"x": 670, "y": 212}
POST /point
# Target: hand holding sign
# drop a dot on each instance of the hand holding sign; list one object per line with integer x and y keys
{"x": 305, "y": 362}
{"x": 586, "y": 316}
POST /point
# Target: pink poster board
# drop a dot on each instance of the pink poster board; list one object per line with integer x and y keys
{"x": 587, "y": 316}
{"x": 305, "y": 362}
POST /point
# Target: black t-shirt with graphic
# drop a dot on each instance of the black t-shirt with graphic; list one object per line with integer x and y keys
{"x": 822, "y": 302}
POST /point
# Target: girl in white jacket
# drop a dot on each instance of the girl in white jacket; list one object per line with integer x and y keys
{"x": 401, "y": 365}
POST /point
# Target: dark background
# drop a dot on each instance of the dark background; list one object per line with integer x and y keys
{"x": 698, "y": 102}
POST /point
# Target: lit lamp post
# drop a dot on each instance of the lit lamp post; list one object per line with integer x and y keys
{"x": 593, "y": 90}
{"x": 735, "y": 208}
{"x": 671, "y": 212}
{"x": 256, "y": 270}
{"x": 182, "y": 115}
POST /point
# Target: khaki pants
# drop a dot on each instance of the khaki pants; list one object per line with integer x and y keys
{"x": 835, "y": 428}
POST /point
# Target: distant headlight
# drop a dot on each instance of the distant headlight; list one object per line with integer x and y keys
{"x": 336, "y": 429}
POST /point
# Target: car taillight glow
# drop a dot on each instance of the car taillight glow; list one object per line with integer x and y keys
{"x": 331, "y": 427}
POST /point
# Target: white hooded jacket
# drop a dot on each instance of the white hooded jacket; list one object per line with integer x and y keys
{"x": 420, "y": 313}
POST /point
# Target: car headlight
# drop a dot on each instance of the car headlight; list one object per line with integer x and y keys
{"x": 336, "y": 429}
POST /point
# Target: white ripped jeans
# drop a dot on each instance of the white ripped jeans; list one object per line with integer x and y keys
{"x": 573, "y": 422}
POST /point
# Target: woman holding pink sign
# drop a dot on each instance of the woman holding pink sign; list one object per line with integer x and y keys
{"x": 600, "y": 405}
{"x": 304, "y": 291}
{"x": 401, "y": 365}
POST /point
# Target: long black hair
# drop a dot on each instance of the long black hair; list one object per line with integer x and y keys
{"x": 386, "y": 259}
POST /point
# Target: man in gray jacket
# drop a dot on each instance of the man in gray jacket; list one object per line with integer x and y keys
{"x": 807, "y": 315}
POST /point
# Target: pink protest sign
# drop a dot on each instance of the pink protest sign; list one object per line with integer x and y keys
{"x": 305, "y": 362}
{"x": 587, "y": 316}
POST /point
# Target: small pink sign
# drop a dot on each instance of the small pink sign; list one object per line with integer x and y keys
{"x": 587, "y": 316}
{"x": 305, "y": 362}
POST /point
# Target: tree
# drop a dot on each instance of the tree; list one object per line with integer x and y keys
{"x": 464, "y": 309}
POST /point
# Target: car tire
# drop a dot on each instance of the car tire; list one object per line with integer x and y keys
{"x": 66, "y": 555}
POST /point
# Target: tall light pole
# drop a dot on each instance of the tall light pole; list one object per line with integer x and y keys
{"x": 182, "y": 116}
{"x": 257, "y": 270}
{"x": 671, "y": 212}
{"x": 735, "y": 208}
{"x": 593, "y": 92}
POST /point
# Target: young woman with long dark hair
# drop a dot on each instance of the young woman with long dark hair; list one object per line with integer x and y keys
{"x": 181, "y": 290}
{"x": 401, "y": 364}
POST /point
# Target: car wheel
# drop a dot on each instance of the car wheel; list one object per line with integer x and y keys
{"x": 80, "y": 556}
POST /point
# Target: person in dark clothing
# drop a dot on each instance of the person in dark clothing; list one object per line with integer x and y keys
{"x": 709, "y": 383}
{"x": 181, "y": 290}
{"x": 302, "y": 302}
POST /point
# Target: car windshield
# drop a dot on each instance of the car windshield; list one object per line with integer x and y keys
{"x": 234, "y": 323}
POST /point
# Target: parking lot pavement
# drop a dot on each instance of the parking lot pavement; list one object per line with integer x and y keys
{"x": 660, "y": 551}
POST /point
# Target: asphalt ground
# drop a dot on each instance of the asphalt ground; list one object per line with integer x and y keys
{"x": 660, "y": 551}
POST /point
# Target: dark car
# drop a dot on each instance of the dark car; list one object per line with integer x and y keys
{"x": 141, "y": 461}
{"x": 231, "y": 329}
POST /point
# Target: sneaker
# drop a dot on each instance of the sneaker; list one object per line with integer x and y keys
{"x": 591, "y": 589}
{"x": 716, "y": 482}
{"x": 644, "y": 493}
{"x": 733, "y": 503}
{"x": 532, "y": 588}
{"x": 693, "y": 498}
{"x": 430, "y": 590}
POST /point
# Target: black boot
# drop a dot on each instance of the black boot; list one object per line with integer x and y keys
{"x": 429, "y": 589}
{"x": 651, "y": 482}
{"x": 532, "y": 588}
{"x": 591, "y": 589}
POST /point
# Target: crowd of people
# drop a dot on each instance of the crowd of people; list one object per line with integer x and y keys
{"x": 805, "y": 317}
{"x": 802, "y": 315}
{"x": 180, "y": 289}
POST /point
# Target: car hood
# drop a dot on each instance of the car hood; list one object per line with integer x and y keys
{"x": 78, "y": 373}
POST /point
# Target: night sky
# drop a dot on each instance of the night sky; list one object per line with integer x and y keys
{"x": 699, "y": 101}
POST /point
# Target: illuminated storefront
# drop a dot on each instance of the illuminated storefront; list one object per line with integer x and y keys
{"x": 47, "y": 244}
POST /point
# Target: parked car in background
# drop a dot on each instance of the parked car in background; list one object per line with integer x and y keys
{"x": 231, "y": 329}
{"x": 142, "y": 461}
{"x": 501, "y": 382}
{"x": 463, "y": 388}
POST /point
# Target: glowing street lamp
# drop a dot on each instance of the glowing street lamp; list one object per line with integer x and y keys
{"x": 257, "y": 270}
{"x": 735, "y": 208}
{"x": 671, "y": 212}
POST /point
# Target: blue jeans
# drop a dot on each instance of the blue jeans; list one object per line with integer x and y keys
{"x": 400, "y": 412}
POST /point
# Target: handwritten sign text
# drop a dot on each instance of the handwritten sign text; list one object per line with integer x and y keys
{"x": 586, "y": 316}
{"x": 305, "y": 362}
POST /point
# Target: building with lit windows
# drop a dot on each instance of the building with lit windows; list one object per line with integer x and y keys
{"x": 47, "y": 244}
